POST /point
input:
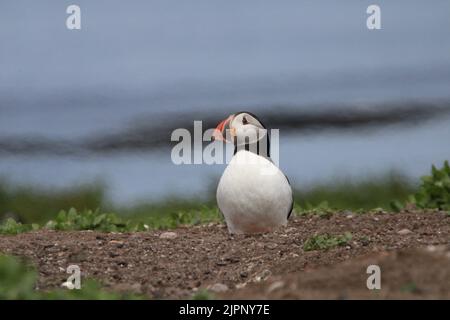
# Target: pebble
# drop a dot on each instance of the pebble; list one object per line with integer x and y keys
{"x": 275, "y": 286}
{"x": 265, "y": 274}
{"x": 117, "y": 242}
{"x": 404, "y": 232}
{"x": 113, "y": 254}
{"x": 218, "y": 287}
{"x": 221, "y": 263}
{"x": 437, "y": 248}
{"x": 168, "y": 235}
{"x": 241, "y": 285}
{"x": 243, "y": 274}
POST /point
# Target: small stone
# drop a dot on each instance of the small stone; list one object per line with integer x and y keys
{"x": 232, "y": 259}
{"x": 275, "y": 286}
{"x": 218, "y": 287}
{"x": 404, "y": 232}
{"x": 263, "y": 276}
{"x": 118, "y": 243}
{"x": 168, "y": 235}
{"x": 437, "y": 248}
{"x": 241, "y": 285}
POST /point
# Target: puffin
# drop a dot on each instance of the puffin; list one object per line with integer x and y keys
{"x": 253, "y": 194}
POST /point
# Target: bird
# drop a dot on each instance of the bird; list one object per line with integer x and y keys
{"x": 253, "y": 194}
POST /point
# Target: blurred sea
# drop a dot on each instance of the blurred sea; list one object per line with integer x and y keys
{"x": 154, "y": 61}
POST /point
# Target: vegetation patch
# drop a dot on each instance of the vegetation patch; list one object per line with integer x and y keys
{"x": 10, "y": 226}
{"x": 24, "y": 209}
{"x": 93, "y": 220}
{"x": 326, "y": 241}
{"x": 322, "y": 210}
{"x": 109, "y": 222}
{"x": 203, "y": 294}
{"x": 434, "y": 191}
{"x": 348, "y": 194}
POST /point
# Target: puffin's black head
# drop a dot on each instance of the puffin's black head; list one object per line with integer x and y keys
{"x": 243, "y": 129}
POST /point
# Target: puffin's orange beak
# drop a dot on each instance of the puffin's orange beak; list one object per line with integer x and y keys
{"x": 219, "y": 132}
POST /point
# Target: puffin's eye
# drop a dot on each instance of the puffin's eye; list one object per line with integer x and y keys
{"x": 244, "y": 120}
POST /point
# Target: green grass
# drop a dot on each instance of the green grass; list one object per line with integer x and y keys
{"x": 18, "y": 282}
{"x": 322, "y": 210}
{"x": 34, "y": 205}
{"x": 172, "y": 214}
{"x": 410, "y": 287}
{"x": 326, "y": 241}
{"x": 109, "y": 222}
{"x": 30, "y": 204}
{"x": 347, "y": 194}
{"x": 33, "y": 208}
{"x": 203, "y": 295}
{"x": 93, "y": 220}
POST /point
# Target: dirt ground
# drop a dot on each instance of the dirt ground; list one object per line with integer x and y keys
{"x": 412, "y": 249}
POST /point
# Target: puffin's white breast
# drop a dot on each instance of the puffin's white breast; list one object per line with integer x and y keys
{"x": 253, "y": 194}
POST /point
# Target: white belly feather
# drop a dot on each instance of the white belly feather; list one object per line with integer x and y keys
{"x": 251, "y": 197}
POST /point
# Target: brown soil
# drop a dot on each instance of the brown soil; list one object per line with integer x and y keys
{"x": 414, "y": 263}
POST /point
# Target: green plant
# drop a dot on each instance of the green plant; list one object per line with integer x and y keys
{"x": 18, "y": 281}
{"x": 92, "y": 220}
{"x": 10, "y": 226}
{"x": 410, "y": 287}
{"x": 434, "y": 191}
{"x": 203, "y": 294}
{"x": 173, "y": 219}
{"x": 326, "y": 241}
{"x": 110, "y": 222}
{"x": 322, "y": 210}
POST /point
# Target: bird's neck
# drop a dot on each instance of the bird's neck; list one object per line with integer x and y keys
{"x": 260, "y": 147}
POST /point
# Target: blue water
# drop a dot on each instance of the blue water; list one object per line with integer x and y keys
{"x": 145, "y": 59}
